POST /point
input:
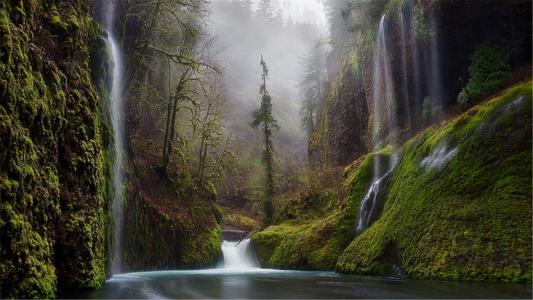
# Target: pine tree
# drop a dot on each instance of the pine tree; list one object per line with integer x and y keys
{"x": 265, "y": 10}
{"x": 311, "y": 85}
{"x": 263, "y": 116}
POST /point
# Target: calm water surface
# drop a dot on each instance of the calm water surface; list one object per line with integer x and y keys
{"x": 268, "y": 284}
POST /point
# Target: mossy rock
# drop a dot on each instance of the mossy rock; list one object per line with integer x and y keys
{"x": 52, "y": 197}
{"x": 457, "y": 205}
{"x": 467, "y": 218}
{"x": 315, "y": 242}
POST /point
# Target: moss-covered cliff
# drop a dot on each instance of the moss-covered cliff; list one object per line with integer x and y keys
{"x": 52, "y": 204}
{"x": 466, "y": 215}
{"x": 466, "y": 218}
{"x": 165, "y": 229}
{"x": 429, "y": 49}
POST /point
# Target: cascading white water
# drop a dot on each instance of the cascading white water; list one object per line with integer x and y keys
{"x": 439, "y": 157}
{"x": 385, "y": 114}
{"x": 239, "y": 255}
{"x": 384, "y": 98}
{"x": 369, "y": 204}
{"x": 400, "y": 101}
{"x": 116, "y": 112}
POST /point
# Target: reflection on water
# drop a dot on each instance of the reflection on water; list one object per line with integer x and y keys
{"x": 265, "y": 283}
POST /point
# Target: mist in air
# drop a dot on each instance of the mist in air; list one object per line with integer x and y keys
{"x": 283, "y": 32}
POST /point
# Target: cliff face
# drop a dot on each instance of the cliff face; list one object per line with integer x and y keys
{"x": 163, "y": 228}
{"x": 456, "y": 206}
{"x": 52, "y": 182}
{"x": 426, "y": 48}
{"x": 341, "y": 133}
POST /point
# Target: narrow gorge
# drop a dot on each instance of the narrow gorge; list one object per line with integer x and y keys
{"x": 265, "y": 149}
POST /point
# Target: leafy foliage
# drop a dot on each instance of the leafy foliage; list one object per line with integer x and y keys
{"x": 420, "y": 24}
{"x": 430, "y": 109}
{"x": 488, "y": 68}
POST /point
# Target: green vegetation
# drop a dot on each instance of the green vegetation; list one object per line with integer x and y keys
{"x": 264, "y": 116}
{"x": 488, "y": 68}
{"x": 467, "y": 219}
{"x": 317, "y": 225}
{"x": 240, "y": 221}
{"x": 311, "y": 85}
{"x": 420, "y": 24}
{"x": 52, "y": 178}
{"x": 430, "y": 109}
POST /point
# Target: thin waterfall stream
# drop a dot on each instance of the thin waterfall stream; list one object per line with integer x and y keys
{"x": 116, "y": 113}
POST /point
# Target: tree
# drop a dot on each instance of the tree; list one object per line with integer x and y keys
{"x": 488, "y": 68}
{"x": 311, "y": 85}
{"x": 214, "y": 155}
{"x": 265, "y": 10}
{"x": 263, "y": 116}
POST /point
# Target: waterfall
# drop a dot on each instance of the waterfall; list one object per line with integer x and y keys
{"x": 384, "y": 123}
{"x": 116, "y": 112}
{"x": 436, "y": 91}
{"x": 384, "y": 98}
{"x": 368, "y": 211}
{"x": 405, "y": 85}
{"x": 397, "y": 102}
{"x": 239, "y": 255}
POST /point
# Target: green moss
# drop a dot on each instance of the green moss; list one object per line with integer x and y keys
{"x": 467, "y": 220}
{"x": 51, "y": 179}
{"x": 393, "y": 7}
{"x": 187, "y": 237}
{"x": 240, "y": 221}
{"x": 314, "y": 240}
{"x": 354, "y": 61}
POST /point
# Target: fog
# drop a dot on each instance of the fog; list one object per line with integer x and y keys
{"x": 283, "y": 33}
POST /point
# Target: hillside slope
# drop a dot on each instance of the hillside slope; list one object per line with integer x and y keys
{"x": 462, "y": 215}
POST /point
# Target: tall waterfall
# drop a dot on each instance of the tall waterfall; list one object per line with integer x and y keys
{"x": 406, "y": 73}
{"x": 116, "y": 112}
{"x": 385, "y": 121}
{"x": 239, "y": 255}
{"x": 384, "y": 95}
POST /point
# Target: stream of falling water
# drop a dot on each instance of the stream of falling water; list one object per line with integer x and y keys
{"x": 116, "y": 113}
{"x": 397, "y": 104}
{"x": 385, "y": 114}
{"x": 239, "y": 255}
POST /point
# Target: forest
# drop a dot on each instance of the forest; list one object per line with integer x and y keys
{"x": 266, "y": 149}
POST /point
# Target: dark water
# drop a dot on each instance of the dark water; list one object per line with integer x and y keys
{"x": 263, "y": 283}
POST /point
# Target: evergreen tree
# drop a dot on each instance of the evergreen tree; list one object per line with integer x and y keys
{"x": 311, "y": 85}
{"x": 263, "y": 116}
{"x": 266, "y": 11}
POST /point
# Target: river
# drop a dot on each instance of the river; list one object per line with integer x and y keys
{"x": 238, "y": 276}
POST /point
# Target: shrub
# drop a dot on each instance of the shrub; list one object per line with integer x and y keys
{"x": 488, "y": 68}
{"x": 420, "y": 25}
{"x": 430, "y": 109}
